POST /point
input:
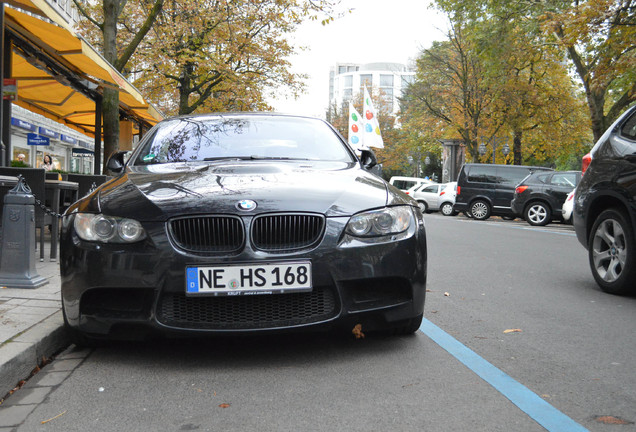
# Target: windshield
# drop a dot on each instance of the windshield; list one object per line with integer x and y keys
{"x": 242, "y": 137}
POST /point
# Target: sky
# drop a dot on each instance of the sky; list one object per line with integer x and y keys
{"x": 374, "y": 31}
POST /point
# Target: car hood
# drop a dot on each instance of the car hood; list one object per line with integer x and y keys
{"x": 159, "y": 192}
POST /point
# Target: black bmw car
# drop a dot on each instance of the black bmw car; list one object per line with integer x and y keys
{"x": 232, "y": 223}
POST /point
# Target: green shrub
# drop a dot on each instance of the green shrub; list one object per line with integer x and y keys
{"x": 19, "y": 164}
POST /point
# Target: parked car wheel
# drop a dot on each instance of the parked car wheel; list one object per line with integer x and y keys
{"x": 447, "y": 209}
{"x": 480, "y": 210}
{"x": 423, "y": 206}
{"x": 538, "y": 214}
{"x": 612, "y": 252}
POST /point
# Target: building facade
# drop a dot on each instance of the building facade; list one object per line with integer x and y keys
{"x": 34, "y": 136}
{"x": 386, "y": 80}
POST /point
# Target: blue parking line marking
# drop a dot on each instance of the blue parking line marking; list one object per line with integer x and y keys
{"x": 538, "y": 409}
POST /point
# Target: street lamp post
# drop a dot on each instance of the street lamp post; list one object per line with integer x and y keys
{"x": 495, "y": 142}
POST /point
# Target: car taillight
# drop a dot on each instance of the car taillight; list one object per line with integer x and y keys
{"x": 586, "y": 162}
{"x": 570, "y": 198}
{"x": 442, "y": 193}
{"x": 459, "y": 190}
{"x": 521, "y": 189}
{"x": 407, "y": 192}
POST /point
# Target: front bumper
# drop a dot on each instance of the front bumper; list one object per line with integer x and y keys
{"x": 110, "y": 290}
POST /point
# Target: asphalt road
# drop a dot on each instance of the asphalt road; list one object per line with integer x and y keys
{"x": 573, "y": 350}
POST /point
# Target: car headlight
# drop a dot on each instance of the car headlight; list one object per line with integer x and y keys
{"x": 387, "y": 221}
{"x": 108, "y": 229}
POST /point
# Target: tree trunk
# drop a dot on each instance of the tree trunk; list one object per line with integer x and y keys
{"x": 110, "y": 114}
{"x": 596, "y": 103}
{"x": 516, "y": 148}
{"x": 110, "y": 102}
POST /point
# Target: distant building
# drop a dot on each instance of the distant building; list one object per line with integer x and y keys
{"x": 346, "y": 81}
{"x": 66, "y": 9}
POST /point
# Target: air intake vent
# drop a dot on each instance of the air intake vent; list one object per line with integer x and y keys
{"x": 247, "y": 312}
{"x": 200, "y": 234}
{"x": 287, "y": 232}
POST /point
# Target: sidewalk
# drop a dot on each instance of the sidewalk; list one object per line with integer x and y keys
{"x": 31, "y": 325}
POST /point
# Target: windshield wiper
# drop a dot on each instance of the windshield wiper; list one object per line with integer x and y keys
{"x": 255, "y": 157}
{"x": 252, "y": 157}
{"x": 226, "y": 158}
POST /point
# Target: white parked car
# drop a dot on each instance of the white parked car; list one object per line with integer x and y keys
{"x": 407, "y": 183}
{"x": 447, "y": 199}
{"x": 566, "y": 209}
{"x": 434, "y": 197}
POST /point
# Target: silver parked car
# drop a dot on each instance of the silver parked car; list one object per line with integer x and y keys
{"x": 435, "y": 197}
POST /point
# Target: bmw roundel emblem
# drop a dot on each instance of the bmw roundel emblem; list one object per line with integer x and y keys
{"x": 246, "y": 205}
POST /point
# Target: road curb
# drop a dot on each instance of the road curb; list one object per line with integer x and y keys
{"x": 24, "y": 352}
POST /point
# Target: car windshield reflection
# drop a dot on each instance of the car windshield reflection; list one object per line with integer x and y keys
{"x": 229, "y": 138}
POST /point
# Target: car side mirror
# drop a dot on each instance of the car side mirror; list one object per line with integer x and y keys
{"x": 116, "y": 162}
{"x": 368, "y": 159}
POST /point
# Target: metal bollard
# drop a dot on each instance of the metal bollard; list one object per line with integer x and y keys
{"x": 17, "y": 256}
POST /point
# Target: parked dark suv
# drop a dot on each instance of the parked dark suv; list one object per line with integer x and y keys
{"x": 604, "y": 213}
{"x": 539, "y": 197}
{"x": 485, "y": 189}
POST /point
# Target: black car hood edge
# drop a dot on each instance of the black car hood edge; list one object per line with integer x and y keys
{"x": 159, "y": 192}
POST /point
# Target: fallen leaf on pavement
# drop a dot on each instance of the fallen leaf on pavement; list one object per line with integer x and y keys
{"x": 357, "y": 331}
{"x": 512, "y": 331}
{"x": 53, "y": 418}
{"x": 612, "y": 420}
{"x": 224, "y": 405}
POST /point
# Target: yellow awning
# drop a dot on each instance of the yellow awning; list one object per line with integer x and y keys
{"x": 43, "y": 89}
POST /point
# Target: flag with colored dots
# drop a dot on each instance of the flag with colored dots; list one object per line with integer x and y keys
{"x": 371, "y": 126}
{"x": 355, "y": 128}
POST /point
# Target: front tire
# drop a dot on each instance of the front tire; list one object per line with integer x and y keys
{"x": 612, "y": 252}
{"x": 480, "y": 210}
{"x": 447, "y": 209}
{"x": 407, "y": 327}
{"x": 538, "y": 214}
{"x": 78, "y": 338}
{"x": 423, "y": 206}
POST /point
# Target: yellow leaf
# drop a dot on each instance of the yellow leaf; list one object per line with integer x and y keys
{"x": 512, "y": 331}
{"x": 357, "y": 331}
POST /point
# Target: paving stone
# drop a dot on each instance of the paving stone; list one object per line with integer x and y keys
{"x": 28, "y": 396}
{"x": 44, "y": 379}
{"x": 42, "y": 303}
{"x": 15, "y": 301}
{"x": 60, "y": 365}
{"x": 73, "y": 352}
{"x": 14, "y": 415}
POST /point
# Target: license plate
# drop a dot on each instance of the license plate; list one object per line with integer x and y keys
{"x": 269, "y": 278}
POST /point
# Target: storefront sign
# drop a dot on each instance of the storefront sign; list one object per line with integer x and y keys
{"x": 48, "y": 132}
{"x": 24, "y": 125}
{"x": 37, "y": 140}
{"x": 78, "y": 152}
{"x": 68, "y": 139}
{"x": 10, "y": 89}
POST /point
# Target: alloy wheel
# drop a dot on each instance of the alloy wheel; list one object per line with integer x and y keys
{"x": 538, "y": 214}
{"x": 609, "y": 250}
{"x": 480, "y": 210}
